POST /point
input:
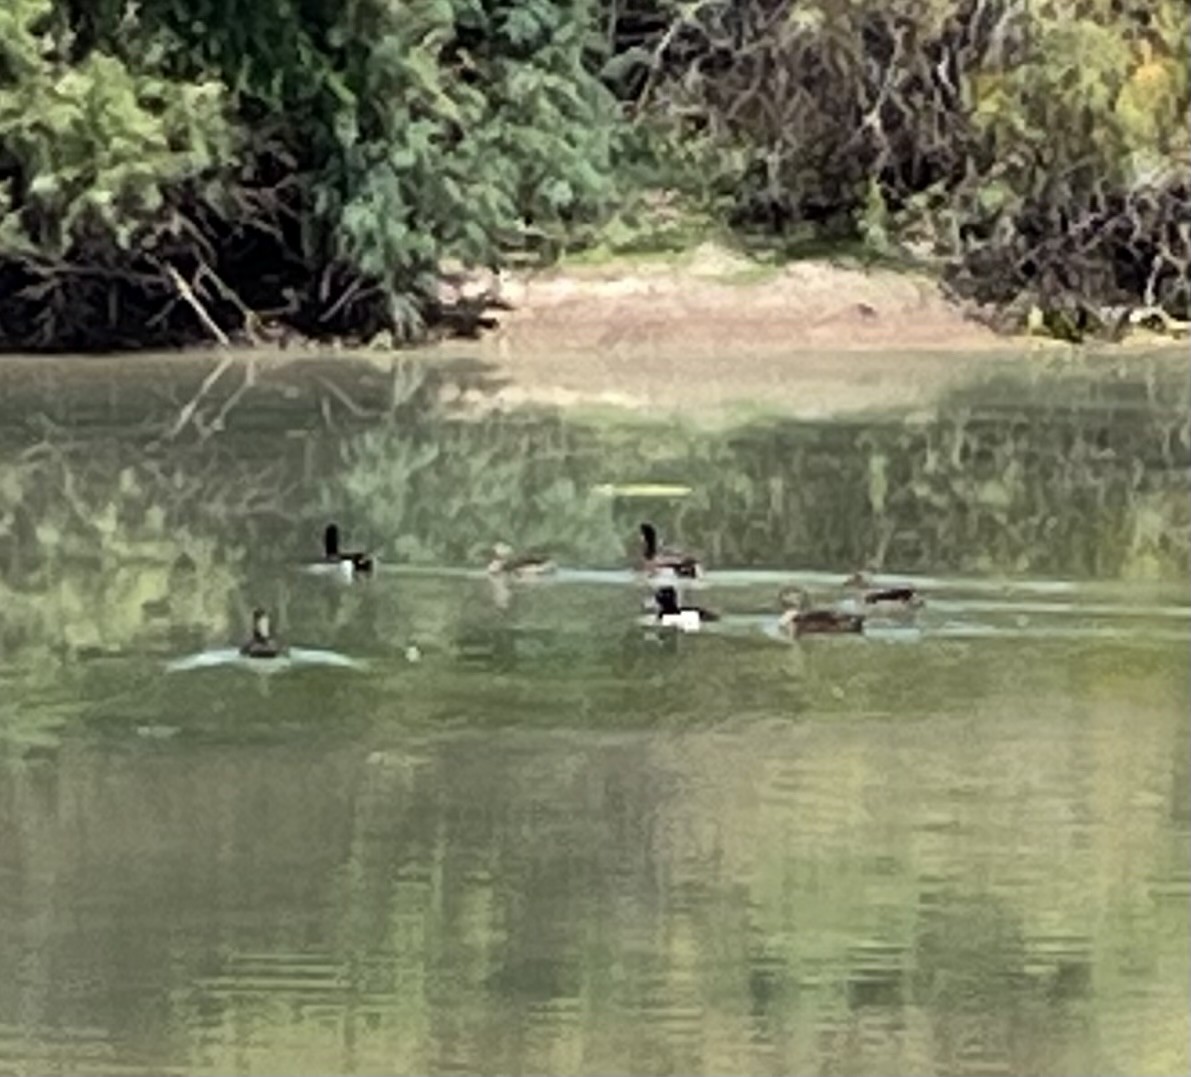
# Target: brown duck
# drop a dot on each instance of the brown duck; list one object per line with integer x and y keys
{"x": 522, "y": 566}
{"x": 799, "y": 618}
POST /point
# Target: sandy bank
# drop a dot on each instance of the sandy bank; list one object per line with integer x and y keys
{"x": 714, "y": 329}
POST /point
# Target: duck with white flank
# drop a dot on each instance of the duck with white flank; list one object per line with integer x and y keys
{"x": 351, "y": 562}
{"x": 670, "y": 613}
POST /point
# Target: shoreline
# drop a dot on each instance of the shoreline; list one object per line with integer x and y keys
{"x": 706, "y": 334}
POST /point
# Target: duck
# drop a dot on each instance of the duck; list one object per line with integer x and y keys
{"x": 261, "y": 643}
{"x": 353, "y": 562}
{"x": 522, "y": 566}
{"x": 895, "y": 598}
{"x": 799, "y": 618}
{"x": 659, "y": 562}
{"x": 669, "y": 613}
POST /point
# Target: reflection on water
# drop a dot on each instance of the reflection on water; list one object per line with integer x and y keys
{"x": 556, "y": 844}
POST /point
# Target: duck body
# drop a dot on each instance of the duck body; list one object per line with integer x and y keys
{"x": 821, "y": 622}
{"x": 520, "y": 566}
{"x": 352, "y": 562}
{"x": 261, "y": 643}
{"x": 669, "y": 613}
{"x": 799, "y": 618}
{"x": 891, "y": 598}
{"x": 656, "y": 561}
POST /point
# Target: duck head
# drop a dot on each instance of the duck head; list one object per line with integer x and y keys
{"x": 666, "y": 601}
{"x": 649, "y": 538}
{"x": 793, "y": 599}
{"x": 331, "y": 541}
{"x": 859, "y": 580}
{"x": 501, "y": 552}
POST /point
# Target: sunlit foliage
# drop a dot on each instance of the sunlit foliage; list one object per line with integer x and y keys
{"x": 1038, "y": 150}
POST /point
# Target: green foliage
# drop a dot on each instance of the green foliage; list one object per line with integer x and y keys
{"x": 462, "y": 153}
{"x": 450, "y": 129}
{"x": 370, "y": 140}
{"x": 95, "y": 144}
{"x": 325, "y": 160}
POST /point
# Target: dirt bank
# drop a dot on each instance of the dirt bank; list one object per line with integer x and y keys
{"x": 714, "y": 328}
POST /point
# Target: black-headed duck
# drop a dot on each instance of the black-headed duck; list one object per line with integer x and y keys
{"x": 656, "y": 561}
{"x": 670, "y": 613}
{"x": 353, "y": 562}
{"x": 799, "y": 618}
{"x": 860, "y": 585}
{"x": 261, "y": 643}
{"x": 505, "y": 562}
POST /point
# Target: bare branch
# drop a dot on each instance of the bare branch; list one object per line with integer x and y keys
{"x": 188, "y": 296}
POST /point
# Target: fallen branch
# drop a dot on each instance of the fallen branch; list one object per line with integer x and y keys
{"x": 188, "y": 296}
{"x": 252, "y": 323}
{"x": 345, "y": 297}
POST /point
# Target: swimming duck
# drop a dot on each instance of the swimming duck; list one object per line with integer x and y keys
{"x": 524, "y": 566}
{"x": 261, "y": 643}
{"x": 899, "y": 598}
{"x": 798, "y": 618}
{"x": 655, "y": 561}
{"x": 352, "y": 562}
{"x": 670, "y": 614}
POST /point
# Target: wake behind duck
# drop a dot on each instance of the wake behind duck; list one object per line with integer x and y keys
{"x": 263, "y": 653}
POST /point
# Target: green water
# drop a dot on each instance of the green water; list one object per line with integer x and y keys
{"x": 548, "y": 841}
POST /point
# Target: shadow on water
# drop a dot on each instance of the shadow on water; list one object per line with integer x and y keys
{"x": 553, "y": 841}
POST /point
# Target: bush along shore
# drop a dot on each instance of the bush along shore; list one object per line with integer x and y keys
{"x": 178, "y": 171}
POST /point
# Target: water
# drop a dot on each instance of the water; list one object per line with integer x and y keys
{"x": 556, "y": 843}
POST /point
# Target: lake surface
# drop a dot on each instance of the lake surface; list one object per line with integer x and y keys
{"x": 518, "y": 833}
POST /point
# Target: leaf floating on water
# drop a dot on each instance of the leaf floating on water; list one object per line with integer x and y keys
{"x": 642, "y": 489}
